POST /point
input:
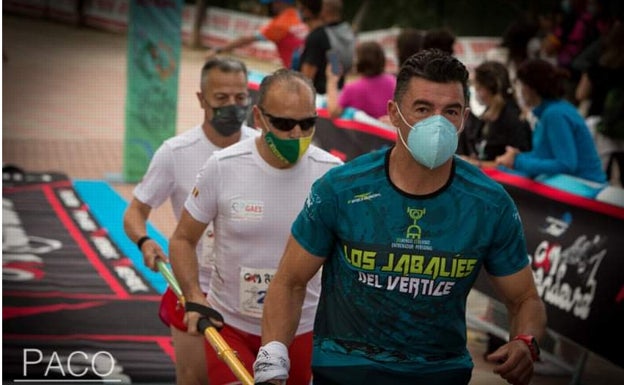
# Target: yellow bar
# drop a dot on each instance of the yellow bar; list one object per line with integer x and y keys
{"x": 227, "y": 355}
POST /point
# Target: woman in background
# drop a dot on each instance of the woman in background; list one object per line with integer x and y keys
{"x": 501, "y": 124}
{"x": 562, "y": 143}
{"x": 371, "y": 92}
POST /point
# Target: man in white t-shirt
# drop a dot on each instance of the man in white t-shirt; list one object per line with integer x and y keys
{"x": 224, "y": 97}
{"x": 252, "y": 192}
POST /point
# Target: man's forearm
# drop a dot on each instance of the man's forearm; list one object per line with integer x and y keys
{"x": 186, "y": 269}
{"x": 281, "y": 312}
{"x": 530, "y": 318}
{"x": 134, "y": 223}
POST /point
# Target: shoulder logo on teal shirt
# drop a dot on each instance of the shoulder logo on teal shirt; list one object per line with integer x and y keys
{"x": 363, "y": 197}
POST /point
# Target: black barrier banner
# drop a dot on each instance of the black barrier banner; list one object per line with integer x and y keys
{"x": 74, "y": 306}
{"x": 577, "y": 255}
{"x": 348, "y": 139}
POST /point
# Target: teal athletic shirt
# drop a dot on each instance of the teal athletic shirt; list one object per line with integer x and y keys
{"x": 399, "y": 267}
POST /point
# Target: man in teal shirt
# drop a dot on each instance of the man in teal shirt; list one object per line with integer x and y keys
{"x": 401, "y": 235}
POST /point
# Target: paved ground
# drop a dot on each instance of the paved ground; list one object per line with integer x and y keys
{"x": 63, "y": 91}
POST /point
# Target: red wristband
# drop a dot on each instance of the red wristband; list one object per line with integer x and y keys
{"x": 531, "y": 342}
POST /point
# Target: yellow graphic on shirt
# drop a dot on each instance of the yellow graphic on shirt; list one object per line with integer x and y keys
{"x": 410, "y": 264}
{"x": 414, "y": 231}
{"x": 413, "y": 274}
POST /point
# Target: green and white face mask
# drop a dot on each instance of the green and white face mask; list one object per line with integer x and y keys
{"x": 288, "y": 150}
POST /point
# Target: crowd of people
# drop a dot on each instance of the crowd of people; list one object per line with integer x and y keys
{"x": 579, "y": 39}
{"x": 389, "y": 306}
{"x": 558, "y": 66}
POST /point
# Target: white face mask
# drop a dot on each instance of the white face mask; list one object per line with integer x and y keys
{"x": 431, "y": 141}
{"x": 520, "y": 98}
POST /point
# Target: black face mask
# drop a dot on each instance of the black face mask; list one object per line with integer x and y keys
{"x": 228, "y": 120}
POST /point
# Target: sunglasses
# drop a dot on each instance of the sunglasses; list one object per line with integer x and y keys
{"x": 287, "y": 124}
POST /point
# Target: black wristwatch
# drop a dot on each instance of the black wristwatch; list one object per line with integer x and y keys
{"x": 531, "y": 343}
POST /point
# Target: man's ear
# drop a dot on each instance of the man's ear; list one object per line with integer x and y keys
{"x": 200, "y": 99}
{"x": 393, "y": 113}
{"x": 257, "y": 117}
{"x": 466, "y": 113}
{"x": 464, "y": 119}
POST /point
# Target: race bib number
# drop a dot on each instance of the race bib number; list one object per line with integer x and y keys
{"x": 253, "y": 288}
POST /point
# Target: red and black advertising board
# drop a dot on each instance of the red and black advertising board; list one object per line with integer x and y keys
{"x": 576, "y": 247}
{"x": 74, "y": 307}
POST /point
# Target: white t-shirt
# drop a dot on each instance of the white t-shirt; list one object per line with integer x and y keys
{"x": 252, "y": 206}
{"x": 172, "y": 173}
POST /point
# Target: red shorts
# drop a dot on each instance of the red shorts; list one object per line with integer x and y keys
{"x": 171, "y": 311}
{"x": 247, "y": 345}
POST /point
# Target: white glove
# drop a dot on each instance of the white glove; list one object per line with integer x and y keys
{"x": 272, "y": 362}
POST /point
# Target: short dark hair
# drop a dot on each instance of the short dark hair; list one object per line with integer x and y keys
{"x": 291, "y": 78}
{"x": 544, "y": 78}
{"x": 224, "y": 65}
{"x": 314, "y": 6}
{"x": 434, "y": 65}
{"x": 516, "y": 37}
{"x": 442, "y": 39}
{"x": 371, "y": 60}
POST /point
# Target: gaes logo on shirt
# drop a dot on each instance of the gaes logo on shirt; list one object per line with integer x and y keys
{"x": 195, "y": 192}
{"x": 414, "y": 231}
{"x": 243, "y": 209}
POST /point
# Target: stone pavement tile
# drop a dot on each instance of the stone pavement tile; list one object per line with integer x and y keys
{"x": 79, "y": 158}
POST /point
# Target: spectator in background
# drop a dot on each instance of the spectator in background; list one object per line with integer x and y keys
{"x": 575, "y": 31}
{"x": 441, "y": 38}
{"x": 562, "y": 143}
{"x": 408, "y": 42}
{"x": 310, "y": 12}
{"x": 602, "y": 84}
{"x": 224, "y": 97}
{"x": 501, "y": 124}
{"x": 371, "y": 92}
{"x": 286, "y": 30}
{"x": 334, "y": 34}
{"x": 514, "y": 46}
